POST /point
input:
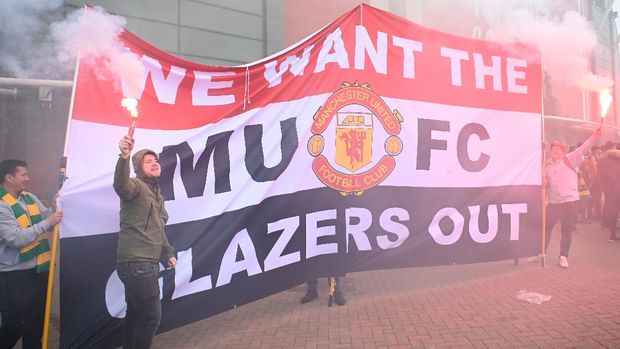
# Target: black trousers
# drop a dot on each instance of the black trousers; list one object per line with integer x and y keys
{"x": 22, "y": 305}
{"x": 606, "y": 213}
{"x": 143, "y": 305}
{"x": 614, "y": 211}
{"x": 566, "y": 213}
{"x": 313, "y": 285}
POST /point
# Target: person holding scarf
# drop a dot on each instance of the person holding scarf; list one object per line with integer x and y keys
{"x": 24, "y": 257}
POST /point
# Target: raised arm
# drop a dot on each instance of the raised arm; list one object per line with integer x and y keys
{"x": 576, "y": 156}
{"x": 125, "y": 188}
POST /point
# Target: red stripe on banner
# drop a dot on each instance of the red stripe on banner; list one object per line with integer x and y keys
{"x": 393, "y": 57}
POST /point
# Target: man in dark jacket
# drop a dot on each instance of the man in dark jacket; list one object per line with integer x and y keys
{"x": 604, "y": 179}
{"x": 142, "y": 242}
{"x": 609, "y": 176}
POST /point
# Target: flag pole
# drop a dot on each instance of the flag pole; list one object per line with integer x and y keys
{"x": 330, "y": 291}
{"x": 543, "y": 261}
{"x": 56, "y": 231}
{"x": 543, "y": 195}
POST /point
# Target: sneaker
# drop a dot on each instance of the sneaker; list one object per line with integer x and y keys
{"x": 309, "y": 297}
{"x": 535, "y": 259}
{"x": 339, "y": 298}
{"x": 563, "y": 262}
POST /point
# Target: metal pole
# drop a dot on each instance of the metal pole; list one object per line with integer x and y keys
{"x": 613, "y": 41}
{"x": 543, "y": 196}
{"x": 584, "y": 98}
{"x": 9, "y": 92}
{"x": 35, "y": 82}
{"x": 56, "y": 232}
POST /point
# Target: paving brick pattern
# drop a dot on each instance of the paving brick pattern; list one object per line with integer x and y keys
{"x": 459, "y": 306}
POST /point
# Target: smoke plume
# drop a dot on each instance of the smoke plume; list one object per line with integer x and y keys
{"x": 25, "y": 48}
{"x": 566, "y": 42}
{"x": 94, "y": 34}
{"x": 565, "y": 46}
{"x": 34, "y": 48}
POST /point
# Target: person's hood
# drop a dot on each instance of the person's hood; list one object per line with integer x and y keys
{"x": 138, "y": 159}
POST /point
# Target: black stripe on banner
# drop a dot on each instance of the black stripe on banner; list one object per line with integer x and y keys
{"x": 388, "y": 227}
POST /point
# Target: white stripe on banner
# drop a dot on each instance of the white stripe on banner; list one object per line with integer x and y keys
{"x": 510, "y": 136}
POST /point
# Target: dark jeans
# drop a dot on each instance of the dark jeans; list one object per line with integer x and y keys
{"x": 594, "y": 208}
{"x": 313, "y": 285}
{"x": 566, "y": 213}
{"x": 614, "y": 211}
{"x": 22, "y": 304}
{"x": 143, "y": 305}
{"x": 607, "y": 207}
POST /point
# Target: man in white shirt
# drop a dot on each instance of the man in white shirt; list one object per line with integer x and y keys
{"x": 562, "y": 191}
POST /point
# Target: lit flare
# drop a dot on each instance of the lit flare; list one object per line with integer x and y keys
{"x": 131, "y": 104}
{"x": 605, "y": 100}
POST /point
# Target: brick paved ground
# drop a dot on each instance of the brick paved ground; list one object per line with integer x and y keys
{"x": 461, "y": 306}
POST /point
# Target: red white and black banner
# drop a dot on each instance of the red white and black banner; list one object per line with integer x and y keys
{"x": 375, "y": 143}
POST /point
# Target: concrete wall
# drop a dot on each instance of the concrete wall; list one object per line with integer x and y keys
{"x": 33, "y": 130}
{"x": 604, "y": 56}
{"x": 218, "y": 32}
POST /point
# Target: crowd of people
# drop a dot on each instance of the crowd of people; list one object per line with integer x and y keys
{"x": 600, "y": 200}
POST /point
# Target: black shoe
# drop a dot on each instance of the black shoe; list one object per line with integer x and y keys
{"x": 309, "y": 297}
{"x": 339, "y": 298}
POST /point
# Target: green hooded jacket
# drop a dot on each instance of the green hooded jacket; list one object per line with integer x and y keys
{"x": 143, "y": 215}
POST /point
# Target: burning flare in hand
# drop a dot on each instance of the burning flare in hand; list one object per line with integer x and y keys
{"x": 605, "y": 100}
{"x": 131, "y": 104}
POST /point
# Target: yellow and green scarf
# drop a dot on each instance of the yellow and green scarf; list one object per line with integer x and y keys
{"x": 40, "y": 247}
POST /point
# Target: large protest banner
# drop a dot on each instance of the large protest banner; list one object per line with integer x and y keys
{"x": 375, "y": 143}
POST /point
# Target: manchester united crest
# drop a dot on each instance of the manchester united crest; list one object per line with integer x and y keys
{"x": 365, "y": 139}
